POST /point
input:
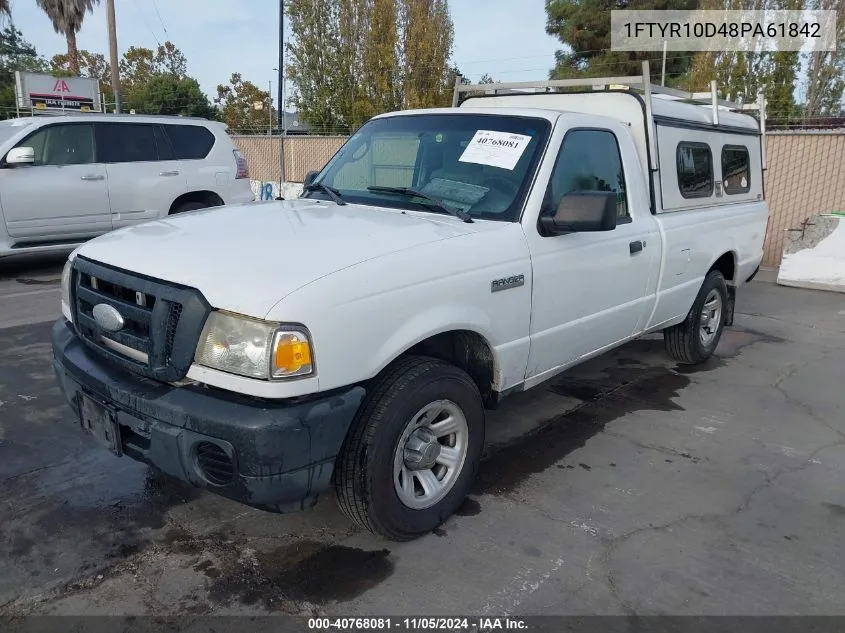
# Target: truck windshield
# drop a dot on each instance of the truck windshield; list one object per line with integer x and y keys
{"x": 480, "y": 164}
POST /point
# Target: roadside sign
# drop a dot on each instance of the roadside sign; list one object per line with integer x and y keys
{"x": 48, "y": 93}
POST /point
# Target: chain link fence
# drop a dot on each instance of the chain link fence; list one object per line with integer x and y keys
{"x": 302, "y": 154}
{"x": 805, "y": 177}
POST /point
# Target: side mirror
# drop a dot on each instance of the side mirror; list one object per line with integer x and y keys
{"x": 582, "y": 211}
{"x": 309, "y": 177}
{"x": 20, "y": 156}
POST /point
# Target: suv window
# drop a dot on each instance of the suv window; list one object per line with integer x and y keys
{"x": 63, "y": 144}
{"x": 589, "y": 160}
{"x": 190, "y": 141}
{"x": 736, "y": 175}
{"x": 128, "y": 143}
{"x": 695, "y": 170}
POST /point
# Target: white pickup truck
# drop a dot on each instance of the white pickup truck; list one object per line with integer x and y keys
{"x": 442, "y": 260}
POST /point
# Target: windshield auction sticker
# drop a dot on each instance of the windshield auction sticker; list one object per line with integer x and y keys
{"x": 498, "y": 149}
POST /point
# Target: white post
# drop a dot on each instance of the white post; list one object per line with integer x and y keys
{"x": 663, "y": 74}
{"x": 761, "y": 104}
{"x": 649, "y": 115}
{"x": 715, "y": 96}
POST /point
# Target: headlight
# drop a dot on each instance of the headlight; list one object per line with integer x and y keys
{"x": 66, "y": 291}
{"x": 253, "y": 348}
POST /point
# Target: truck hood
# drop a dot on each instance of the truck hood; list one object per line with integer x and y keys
{"x": 247, "y": 258}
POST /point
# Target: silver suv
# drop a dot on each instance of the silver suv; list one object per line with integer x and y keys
{"x": 65, "y": 179}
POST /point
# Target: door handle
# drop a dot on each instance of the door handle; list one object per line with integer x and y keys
{"x": 636, "y": 246}
{"x": 93, "y": 177}
{"x": 175, "y": 172}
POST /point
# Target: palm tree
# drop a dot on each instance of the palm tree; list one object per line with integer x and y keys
{"x": 67, "y": 16}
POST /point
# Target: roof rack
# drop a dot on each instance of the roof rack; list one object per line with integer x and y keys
{"x": 636, "y": 82}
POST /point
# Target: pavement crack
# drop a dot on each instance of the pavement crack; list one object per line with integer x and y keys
{"x": 665, "y": 450}
{"x": 32, "y": 471}
{"x": 758, "y": 315}
{"x": 797, "y": 402}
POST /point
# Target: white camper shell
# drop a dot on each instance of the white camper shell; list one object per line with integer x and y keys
{"x": 715, "y": 142}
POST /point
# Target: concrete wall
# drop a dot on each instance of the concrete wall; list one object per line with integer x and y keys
{"x": 815, "y": 256}
{"x": 805, "y": 176}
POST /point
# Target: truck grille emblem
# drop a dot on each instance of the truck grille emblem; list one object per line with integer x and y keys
{"x": 107, "y": 317}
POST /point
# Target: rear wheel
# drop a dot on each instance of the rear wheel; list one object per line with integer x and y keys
{"x": 189, "y": 206}
{"x": 695, "y": 339}
{"x": 413, "y": 452}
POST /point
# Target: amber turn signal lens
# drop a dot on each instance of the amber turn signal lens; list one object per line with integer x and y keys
{"x": 292, "y": 355}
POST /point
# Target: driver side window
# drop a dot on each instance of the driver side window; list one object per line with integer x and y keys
{"x": 589, "y": 160}
{"x": 63, "y": 144}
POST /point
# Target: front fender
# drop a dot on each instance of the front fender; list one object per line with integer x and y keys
{"x": 436, "y": 320}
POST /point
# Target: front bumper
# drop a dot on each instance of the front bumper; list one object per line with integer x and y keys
{"x": 282, "y": 453}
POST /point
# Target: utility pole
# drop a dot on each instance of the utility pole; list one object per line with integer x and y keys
{"x": 282, "y": 117}
{"x": 115, "y": 71}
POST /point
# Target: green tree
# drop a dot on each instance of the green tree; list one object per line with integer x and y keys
{"x": 93, "y": 65}
{"x": 426, "y": 46}
{"x": 353, "y": 59}
{"x": 15, "y": 54}
{"x": 169, "y": 94}
{"x": 741, "y": 75}
{"x": 67, "y": 17}
{"x": 139, "y": 65}
{"x": 584, "y": 27}
{"x": 826, "y": 69}
{"x": 324, "y": 89}
{"x": 244, "y": 106}
{"x": 380, "y": 78}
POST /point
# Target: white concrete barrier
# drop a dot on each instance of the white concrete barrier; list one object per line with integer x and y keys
{"x": 814, "y": 256}
{"x": 267, "y": 190}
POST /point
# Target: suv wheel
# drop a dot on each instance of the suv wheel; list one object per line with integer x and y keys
{"x": 414, "y": 449}
{"x": 189, "y": 206}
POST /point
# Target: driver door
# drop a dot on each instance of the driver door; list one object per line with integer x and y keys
{"x": 591, "y": 289}
{"x": 63, "y": 196}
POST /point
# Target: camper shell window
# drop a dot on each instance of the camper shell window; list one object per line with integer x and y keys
{"x": 695, "y": 169}
{"x": 736, "y": 170}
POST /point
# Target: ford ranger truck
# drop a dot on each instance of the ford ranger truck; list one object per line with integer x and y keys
{"x": 440, "y": 261}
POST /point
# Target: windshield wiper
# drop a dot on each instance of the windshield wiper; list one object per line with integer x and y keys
{"x": 332, "y": 193}
{"x": 432, "y": 203}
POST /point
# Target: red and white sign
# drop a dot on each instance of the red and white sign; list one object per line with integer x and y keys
{"x": 47, "y": 92}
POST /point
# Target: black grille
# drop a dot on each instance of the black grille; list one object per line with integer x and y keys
{"x": 173, "y": 318}
{"x": 214, "y": 463}
{"x": 162, "y": 321}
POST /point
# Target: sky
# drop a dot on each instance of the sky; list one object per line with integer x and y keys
{"x": 220, "y": 37}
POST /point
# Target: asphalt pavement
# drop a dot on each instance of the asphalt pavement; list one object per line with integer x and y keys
{"x": 625, "y": 486}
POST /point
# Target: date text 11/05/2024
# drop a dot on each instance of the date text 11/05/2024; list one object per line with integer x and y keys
{"x": 480, "y": 624}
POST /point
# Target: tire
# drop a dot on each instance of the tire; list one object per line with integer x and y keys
{"x": 694, "y": 340}
{"x": 409, "y": 392}
{"x": 189, "y": 206}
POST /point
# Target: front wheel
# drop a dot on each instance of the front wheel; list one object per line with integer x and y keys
{"x": 414, "y": 449}
{"x": 695, "y": 339}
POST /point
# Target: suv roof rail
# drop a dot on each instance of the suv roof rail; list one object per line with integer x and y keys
{"x": 641, "y": 83}
{"x": 121, "y": 115}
